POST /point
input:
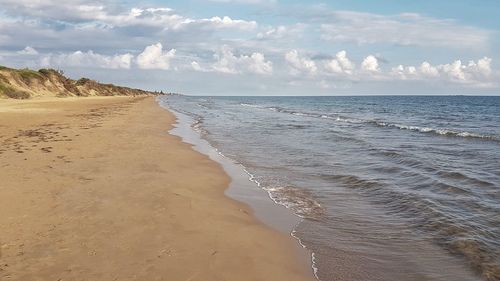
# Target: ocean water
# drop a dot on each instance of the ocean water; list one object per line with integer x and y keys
{"x": 388, "y": 187}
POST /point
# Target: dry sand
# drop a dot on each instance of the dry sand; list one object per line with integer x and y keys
{"x": 96, "y": 189}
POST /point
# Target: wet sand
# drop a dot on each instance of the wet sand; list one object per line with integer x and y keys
{"x": 96, "y": 189}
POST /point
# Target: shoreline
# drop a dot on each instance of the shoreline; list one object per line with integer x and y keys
{"x": 353, "y": 236}
{"x": 73, "y": 209}
{"x": 243, "y": 187}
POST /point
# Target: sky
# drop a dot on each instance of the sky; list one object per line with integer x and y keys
{"x": 262, "y": 47}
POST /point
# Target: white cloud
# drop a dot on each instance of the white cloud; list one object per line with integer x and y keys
{"x": 281, "y": 32}
{"x": 113, "y": 35}
{"x": 81, "y": 13}
{"x": 344, "y": 62}
{"x": 273, "y": 33}
{"x": 63, "y": 10}
{"x": 196, "y": 66}
{"x": 341, "y": 64}
{"x": 228, "y": 62}
{"x": 226, "y": 22}
{"x": 482, "y": 67}
{"x": 167, "y": 19}
{"x": 339, "y": 67}
{"x": 258, "y": 64}
{"x": 370, "y": 64}
{"x": 333, "y": 66}
{"x": 28, "y": 51}
{"x": 474, "y": 73}
{"x": 402, "y": 29}
{"x": 300, "y": 64}
{"x": 153, "y": 57}
{"x": 87, "y": 59}
{"x": 428, "y": 70}
{"x": 454, "y": 70}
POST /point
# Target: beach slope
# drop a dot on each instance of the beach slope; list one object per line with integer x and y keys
{"x": 96, "y": 189}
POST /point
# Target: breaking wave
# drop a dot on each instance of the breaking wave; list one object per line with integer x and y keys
{"x": 339, "y": 118}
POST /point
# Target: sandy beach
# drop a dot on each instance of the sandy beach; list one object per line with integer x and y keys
{"x": 96, "y": 189}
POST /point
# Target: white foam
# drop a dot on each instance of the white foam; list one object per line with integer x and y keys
{"x": 444, "y": 132}
{"x": 301, "y": 114}
{"x": 249, "y": 105}
{"x": 275, "y": 199}
{"x": 313, "y": 256}
{"x": 197, "y": 127}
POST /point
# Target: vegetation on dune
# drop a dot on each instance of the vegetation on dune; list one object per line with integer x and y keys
{"x": 10, "y": 92}
{"x": 27, "y": 75}
{"x": 82, "y": 81}
{"x": 47, "y": 71}
{"x": 5, "y": 88}
{"x": 3, "y": 79}
{"x": 20, "y": 95}
{"x": 24, "y": 83}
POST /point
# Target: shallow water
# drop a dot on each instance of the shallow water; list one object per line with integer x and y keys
{"x": 389, "y": 188}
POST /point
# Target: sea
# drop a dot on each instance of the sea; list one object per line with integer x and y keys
{"x": 385, "y": 187}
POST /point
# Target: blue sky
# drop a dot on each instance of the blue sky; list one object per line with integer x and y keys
{"x": 262, "y": 47}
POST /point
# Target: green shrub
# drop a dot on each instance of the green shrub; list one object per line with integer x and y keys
{"x": 45, "y": 71}
{"x": 82, "y": 81}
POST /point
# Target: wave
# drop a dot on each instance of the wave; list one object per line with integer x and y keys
{"x": 300, "y": 201}
{"x": 449, "y": 229}
{"x": 351, "y": 120}
{"x": 249, "y": 105}
{"x": 443, "y": 132}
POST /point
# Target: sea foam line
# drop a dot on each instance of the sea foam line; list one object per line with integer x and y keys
{"x": 197, "y": 127}
{"x": 314, "y": 267}
{"x": 339, "y": 118}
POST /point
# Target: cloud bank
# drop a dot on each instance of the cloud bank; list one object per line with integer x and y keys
{"x": 319, "y": 45}
{"x": 296, "y": 64}
{"x": 475, "y": 73}
{"x": 406, "y": 29}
